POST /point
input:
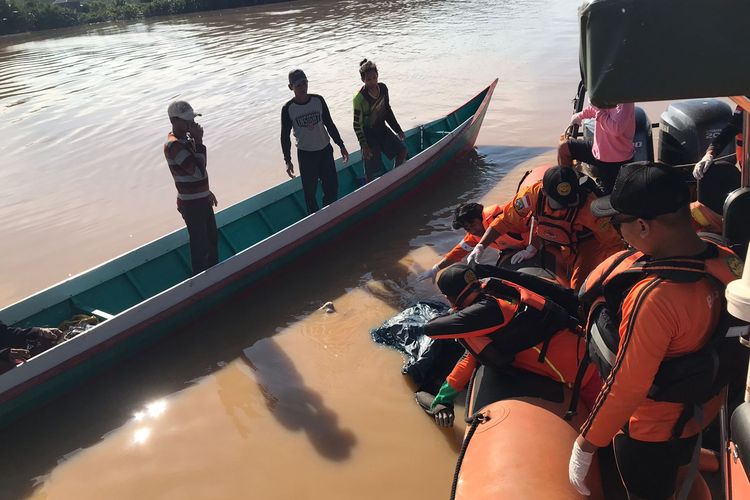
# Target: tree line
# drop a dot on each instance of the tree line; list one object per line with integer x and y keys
{"x": 18, "y": 16}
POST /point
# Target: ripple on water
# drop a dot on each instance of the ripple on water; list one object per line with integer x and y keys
{"x": 84, "y": 179}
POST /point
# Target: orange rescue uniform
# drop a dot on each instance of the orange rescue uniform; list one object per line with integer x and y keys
{"x": 508, "y": 240}
{"x": 591, "y": 239}
{"x": 661, "y": 319}
{"x": 560, "y": 363}
{"x": 509, "y": 325}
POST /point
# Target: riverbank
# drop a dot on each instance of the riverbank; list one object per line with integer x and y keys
{"x": 35, "y": 15}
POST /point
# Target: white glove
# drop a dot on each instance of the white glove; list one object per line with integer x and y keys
{"x": 475, "y": 254}
{"x": 702, "y": 166}
{"x": 430, "y": 274}
{"x": 578, "y": 469}
{"x": 575, "y": 119}
{"x": 523, "y": 255}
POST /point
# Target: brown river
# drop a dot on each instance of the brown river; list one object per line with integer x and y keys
{"x": 267, "y": 397}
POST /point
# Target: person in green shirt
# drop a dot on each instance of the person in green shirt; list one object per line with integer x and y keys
{"x": 372, "y": 110}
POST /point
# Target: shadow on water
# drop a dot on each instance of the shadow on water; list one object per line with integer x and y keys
{"x": 35, "y": 444}
{"x": 295, "y": 406}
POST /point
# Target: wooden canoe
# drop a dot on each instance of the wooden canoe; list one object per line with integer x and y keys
{"x": 148, "y": 291}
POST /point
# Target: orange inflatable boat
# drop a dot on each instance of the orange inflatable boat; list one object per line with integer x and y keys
{"x": 518, "y": 445}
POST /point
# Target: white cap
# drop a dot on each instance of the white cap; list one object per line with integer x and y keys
{"x": 182, "y": 110}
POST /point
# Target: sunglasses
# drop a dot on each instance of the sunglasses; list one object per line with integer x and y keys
{"x": 618, "y": 220}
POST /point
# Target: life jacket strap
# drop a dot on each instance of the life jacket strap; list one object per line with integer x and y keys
{"x": 543, "y": 351}
{"x": 688, "y": 410}
{"x": 576, "y": 395}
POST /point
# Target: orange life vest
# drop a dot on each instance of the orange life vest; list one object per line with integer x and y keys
{"x": 529, "y": 319}
{"x": 692, "y": 378}
{"x": 558, "y": 229}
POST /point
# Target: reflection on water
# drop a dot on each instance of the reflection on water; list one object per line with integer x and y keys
{"x": 295, "y": 406}
{"x": 82, "y": 113}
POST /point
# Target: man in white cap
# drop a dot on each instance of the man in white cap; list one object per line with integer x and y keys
{"x": 186, "y": 157}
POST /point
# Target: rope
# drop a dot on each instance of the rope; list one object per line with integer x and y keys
{"x": 475, "y": 420}
{"x": 693, "y": 164}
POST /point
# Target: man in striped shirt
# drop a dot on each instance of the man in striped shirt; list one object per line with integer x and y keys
{"x": 186, "y": 157}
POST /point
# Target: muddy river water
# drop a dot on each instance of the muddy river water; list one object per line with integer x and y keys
{"x": 266, "y": 397}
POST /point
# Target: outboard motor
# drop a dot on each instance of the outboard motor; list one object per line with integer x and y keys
{"x": 643, "y": 140}
{"x": 688, "y": 127}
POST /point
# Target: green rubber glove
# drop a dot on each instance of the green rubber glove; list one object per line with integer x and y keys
{"x": 445, "y": 396}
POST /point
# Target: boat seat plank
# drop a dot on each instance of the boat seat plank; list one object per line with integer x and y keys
{"x": 247, "y": 231}
{"x": 93, "y": 311}
{"x": 161, "y": 273}
{"x": 436, "y": 132}
{"x": 224, "y": 247}
{"x": 299, "y": 198}
{"x": 226, "y": 241}
{"x": 270, "y": 225}
{"x": 134, "y": 282}
{"x": 282, "y": 213}
{"x": 348, "y": 181}
{"x": 452, "y": 121}
{"x": 184, "y": 254}
{"x": 114, "y": 295}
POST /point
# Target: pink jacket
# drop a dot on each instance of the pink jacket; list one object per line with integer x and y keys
{"x": 615, "y": 128}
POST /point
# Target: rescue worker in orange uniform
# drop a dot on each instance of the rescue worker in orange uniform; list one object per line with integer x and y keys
{"x": 474, "y": 218}
{"x": 732, "y": 129}
{"x": 650, "y": 310}
{"x": 563, "y": 226}
{"x": 502, "y": 324}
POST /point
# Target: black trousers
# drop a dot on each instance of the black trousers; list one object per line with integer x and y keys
{"x": 607, "y": 171}
{"x": 649, "y": 470}
{"x": 314, "y": 165}
{"x": 382, "y": 142}
{"x": 201, "y": 225}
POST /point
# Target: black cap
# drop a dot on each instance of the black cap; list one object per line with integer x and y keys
{"x": 465, "y": 213}
{"x": 296, "y": 76}
{"x": 562, "y": 185}
{"x": 644, "y": 189}
{"x": 454, "y": 280}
